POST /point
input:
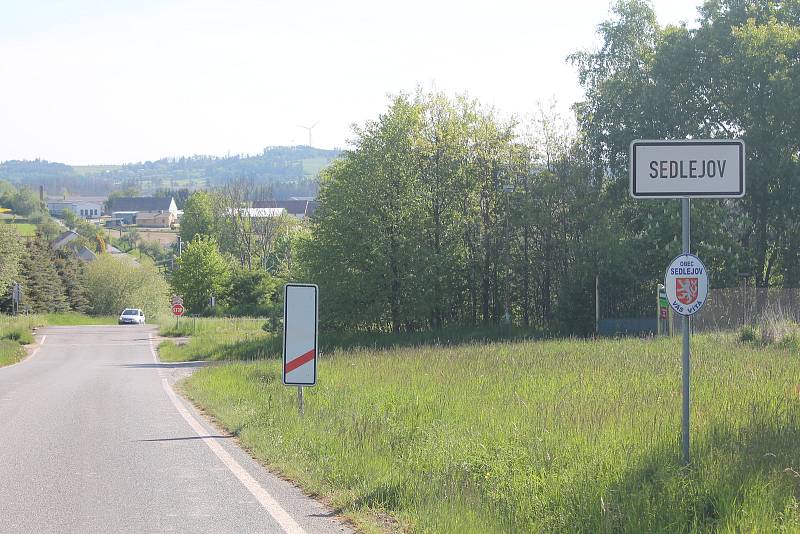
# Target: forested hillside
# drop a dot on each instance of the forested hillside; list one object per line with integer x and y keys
{"x": 290, "y": 171}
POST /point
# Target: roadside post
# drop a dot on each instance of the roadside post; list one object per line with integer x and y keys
{"x": 300, "y": 337}
{"x": 662, "y": 311}
{"x": 686, "y": 169}
{"x": 16, "y": 297}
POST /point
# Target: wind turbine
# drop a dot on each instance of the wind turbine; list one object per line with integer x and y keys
{"x": 309, "y": 128}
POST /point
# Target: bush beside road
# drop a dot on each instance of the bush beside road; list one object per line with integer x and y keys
{"x": 531, "y": 436}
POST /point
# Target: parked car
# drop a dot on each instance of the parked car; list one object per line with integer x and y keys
{"x": 131, "y": 316}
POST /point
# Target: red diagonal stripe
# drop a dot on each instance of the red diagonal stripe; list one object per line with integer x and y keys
{"x": 300, "y": 360}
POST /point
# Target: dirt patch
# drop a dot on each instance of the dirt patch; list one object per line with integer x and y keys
{"x": 163, "y": 238}
{"x": 177, "y": 340}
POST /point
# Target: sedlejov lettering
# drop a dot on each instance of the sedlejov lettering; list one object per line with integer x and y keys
{"x": 692, "y": 168}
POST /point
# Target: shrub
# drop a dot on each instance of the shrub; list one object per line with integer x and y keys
{"x": 774, "y": 326}
{"x": 748, "y": 334}
{"x": 18, "y": 333}
{"x": 115, "y": 284}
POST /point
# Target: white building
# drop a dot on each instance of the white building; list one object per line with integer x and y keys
{"x": 257, "y": 213}
{"x": 82, "y": 208}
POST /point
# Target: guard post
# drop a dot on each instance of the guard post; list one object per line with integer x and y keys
{"x": 300, "y": 337}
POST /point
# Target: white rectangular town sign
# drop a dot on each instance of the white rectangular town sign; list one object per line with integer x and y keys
{"x": 704, "y": 168}
{"x": 300, "y": 339}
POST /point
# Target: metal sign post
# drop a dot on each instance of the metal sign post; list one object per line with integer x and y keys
{"x": 699, "y": 168}
{"x": 686, "y": 230}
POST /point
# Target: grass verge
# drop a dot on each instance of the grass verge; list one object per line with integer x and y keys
{"x": 533, "y": 436}
{"x": 216, "y": 339}
{"x": 10, "y": 352}
{"x": 243, "y": 339}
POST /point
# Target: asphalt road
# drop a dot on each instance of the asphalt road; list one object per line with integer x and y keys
{"x": 93, "y": 439}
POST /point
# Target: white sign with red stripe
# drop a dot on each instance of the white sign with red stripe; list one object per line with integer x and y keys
{"x": 300, "y": 339}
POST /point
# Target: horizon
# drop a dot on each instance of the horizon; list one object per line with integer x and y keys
{"x": 173, "y": 158}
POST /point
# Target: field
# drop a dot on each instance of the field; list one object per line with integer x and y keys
{"x": 215, "y": 339}
{"x": 23, "y": 229}
{"x": 244, "y": 339}
{"x": 89, "y": 170}
{"x": 313, "y": 166}
{"x": 530, "y": 436}
{"x": 164, "y": 237}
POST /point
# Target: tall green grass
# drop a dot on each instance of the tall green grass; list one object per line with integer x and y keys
{"x": 216, "y": 339}
{"x": 534, "y": 436}
{"x": 10, "y": 352}
{"x": 245, "y": 339}
{"x": 14, "y": 333}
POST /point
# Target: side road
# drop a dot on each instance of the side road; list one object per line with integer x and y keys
{"x": 94, "y": 439}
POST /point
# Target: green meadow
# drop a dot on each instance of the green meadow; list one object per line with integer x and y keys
{"x": 526, "y": 436}
{"x": 24, "y": 229}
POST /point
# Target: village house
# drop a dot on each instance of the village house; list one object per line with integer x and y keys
{"x": 147, "y": 212}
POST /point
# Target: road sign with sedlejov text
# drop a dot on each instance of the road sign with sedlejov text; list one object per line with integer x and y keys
{"x": 300, "y": 339}
{"x": 703, "y": 168}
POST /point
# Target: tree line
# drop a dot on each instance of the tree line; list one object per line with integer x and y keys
{"x": 447, "y": 213}
{"x": 444, "y": 215}
{"x": 444, "y": 212}
{"x": 234, "y": 253}
{"x": 290, "y": 170}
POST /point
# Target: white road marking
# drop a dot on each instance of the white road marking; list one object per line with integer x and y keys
{"x": 35, "y": 351}
{"x": 155, "y": 355}
{"x": 266, "y": 500}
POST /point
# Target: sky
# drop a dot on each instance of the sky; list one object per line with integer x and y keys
{"x": 116, "y": 81}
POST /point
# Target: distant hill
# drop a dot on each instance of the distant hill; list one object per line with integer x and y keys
{"x": 291, "y": 171}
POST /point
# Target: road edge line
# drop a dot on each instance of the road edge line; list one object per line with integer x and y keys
{"x": 36, "y": 350}
{"x": 28, "y": 357}
{"x": 267, "y": 501}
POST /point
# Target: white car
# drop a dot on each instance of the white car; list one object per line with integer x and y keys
{"x": 131, "y": 316}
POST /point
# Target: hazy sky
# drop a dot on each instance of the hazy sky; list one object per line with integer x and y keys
{"x": 113, "y": 81}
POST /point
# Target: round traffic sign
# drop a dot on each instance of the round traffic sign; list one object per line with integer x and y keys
{"x": 686, "y": 283}
{"x": 177, "y": 309}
